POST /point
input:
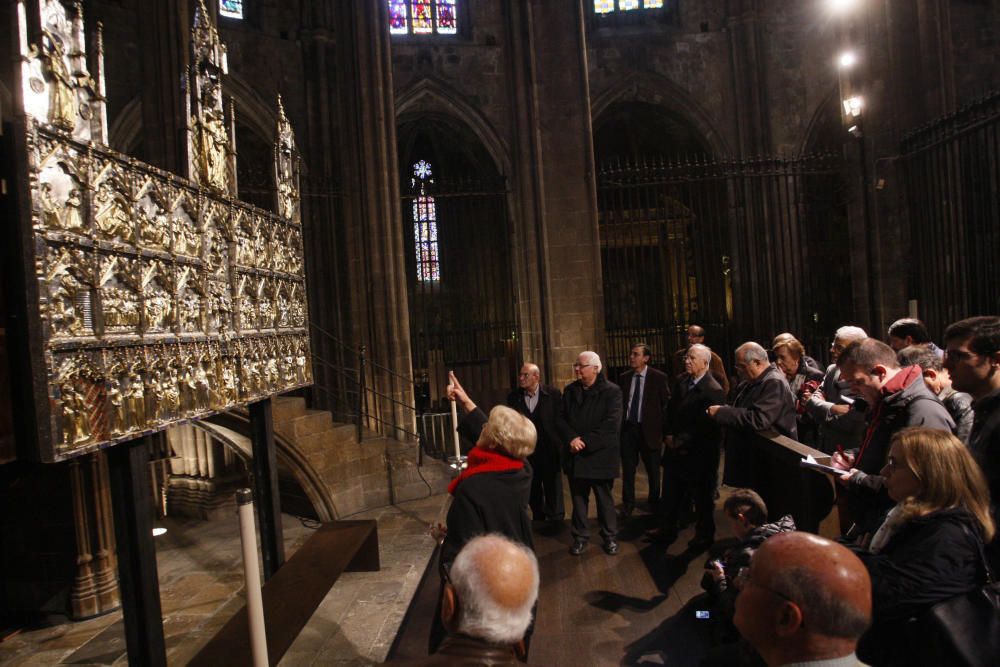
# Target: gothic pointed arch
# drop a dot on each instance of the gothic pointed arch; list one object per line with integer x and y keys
{"x": 431, "y": 97}
{"x": 658, "y": 91}
{"x": 825, "y": 132}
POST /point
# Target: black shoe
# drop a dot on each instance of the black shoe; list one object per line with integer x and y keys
{"x": 579, "y": 546}
{"x": 611, "y": 547}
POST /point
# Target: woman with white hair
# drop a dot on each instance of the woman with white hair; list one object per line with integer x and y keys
{"x": 491, "y": 494}
{"x": 592, "y": 412}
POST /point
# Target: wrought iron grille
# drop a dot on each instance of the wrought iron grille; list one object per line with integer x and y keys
{"x": 952, "y": 170}
{"x": 742, "y": 248}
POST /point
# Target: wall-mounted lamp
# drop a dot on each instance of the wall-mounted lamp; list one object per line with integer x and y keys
{"x": 853, "y": 106}
{"x": 847, "y": 60}
{"x": 841, "y": 6}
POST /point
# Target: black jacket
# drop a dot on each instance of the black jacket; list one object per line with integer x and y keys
{"x": 928, "y": 560}
{"x": 765, "y": 403}
{"x": 688, "y": 421}
{"x": 546, "y": 419}
{"x": 595, "y": 415}
{"x": 490, "y": 502}
{"x": 984, "y": 443}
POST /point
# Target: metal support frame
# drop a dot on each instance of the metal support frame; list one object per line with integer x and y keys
{"x": 140, "y": 589}
{"x": 266, "y": 496}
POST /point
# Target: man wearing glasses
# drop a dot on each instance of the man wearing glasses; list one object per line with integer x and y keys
{"x": 592, "y": 415}
{"x": 972, "y": 357}
{"x": 804, "y": 599}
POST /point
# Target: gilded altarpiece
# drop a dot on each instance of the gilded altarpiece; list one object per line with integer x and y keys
{"x": 160, "y": 299}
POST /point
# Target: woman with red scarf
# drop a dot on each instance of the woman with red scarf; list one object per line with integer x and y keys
{"x": 491, "y": 495}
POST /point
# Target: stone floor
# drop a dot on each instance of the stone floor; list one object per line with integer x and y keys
{"x": 201, "y": 586}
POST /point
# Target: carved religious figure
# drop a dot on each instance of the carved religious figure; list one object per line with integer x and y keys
{"x": 116, "y": 418}
{"x": 62, "y": 95}
{"x": 76, "y": 421}
{"x": 112, "y": 218}
{"x": 136, "y": 401}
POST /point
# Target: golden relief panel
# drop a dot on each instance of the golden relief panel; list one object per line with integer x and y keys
{"x": 159, "y": 298}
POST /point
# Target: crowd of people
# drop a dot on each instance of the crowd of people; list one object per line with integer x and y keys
{"x": 913, "y": 431}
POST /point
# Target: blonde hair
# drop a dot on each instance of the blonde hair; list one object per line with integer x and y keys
{"x": 949, "y": 476}
{"x": 510, "y": 431}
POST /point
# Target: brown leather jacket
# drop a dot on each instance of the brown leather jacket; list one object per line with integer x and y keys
{"x": 463, "y": 651}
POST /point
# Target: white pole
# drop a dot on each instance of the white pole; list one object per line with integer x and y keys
{"x": 251, "y": 572}
{"x": 454, "y": 428}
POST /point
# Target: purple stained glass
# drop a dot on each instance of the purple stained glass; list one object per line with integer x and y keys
{"x": 398, "y": 23}
{"x": 446, "y": 21}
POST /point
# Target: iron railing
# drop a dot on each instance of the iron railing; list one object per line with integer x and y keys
{"x": 952, "y": 172}
{"x": 736, "y": 246}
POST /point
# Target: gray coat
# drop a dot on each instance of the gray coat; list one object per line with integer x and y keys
{"x": 760, "y": 405}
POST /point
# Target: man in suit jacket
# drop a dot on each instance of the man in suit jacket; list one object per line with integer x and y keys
{"x": 645, "y": 393}
{"x": 696, "y": 336}
{"x": 541, "y": 404}
{"x": 691, "y": 460}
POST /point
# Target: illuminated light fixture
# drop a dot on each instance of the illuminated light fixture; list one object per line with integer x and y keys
{"x": 847, "y": 59}
{"x": 855, "y": 131}
{"x": 852, "y": 106}
{"x": 159, "y": 531}
{"x": 841, "y": 6}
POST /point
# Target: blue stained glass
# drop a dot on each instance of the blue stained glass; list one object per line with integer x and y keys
{"x": 231, "y": 8}
{"x": 628, "y": 5}
{"x": 446, "y": 22}
{"x": 653, "y": 4}
{"x": 604, "y": 6}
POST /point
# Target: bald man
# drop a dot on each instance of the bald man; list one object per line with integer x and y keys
{"x": 486, "y": 604}
{"x": 541, "y": 404}
{"x": 804, "y": 599}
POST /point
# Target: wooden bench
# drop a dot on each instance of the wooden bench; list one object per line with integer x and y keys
{"x": 295, "y": 591}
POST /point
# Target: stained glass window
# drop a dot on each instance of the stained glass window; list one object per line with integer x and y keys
{"x": 425, "y": 241}
{"x": 602, "y": 7}
{"x": 231, "y": 8}
{"x": 399, "y": 23}
{"x": 446, "y": 22}
{"x": 423, "y": 17}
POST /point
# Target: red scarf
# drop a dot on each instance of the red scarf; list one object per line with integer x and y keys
{"x": 485, "y": 460}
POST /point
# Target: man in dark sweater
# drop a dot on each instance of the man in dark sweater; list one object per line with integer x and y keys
{"x": 972, "y": 357}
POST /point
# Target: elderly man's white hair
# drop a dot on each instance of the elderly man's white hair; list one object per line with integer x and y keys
{"x": 752, "y": 352}
{"x": 496, "y": 582}
{"x": 850, "y": 334}
{"x": 702, "y": 352}
{"x": 592, "y": 358}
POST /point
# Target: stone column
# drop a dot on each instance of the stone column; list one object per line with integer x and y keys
{"x": 83, "y": 596}
{"x": 748, "y": 66}
{"x": 105, "y": 555}
{"x": 164, "y": 38}
{"x": 557, "y": 258}
{"x": 352, "y": 142}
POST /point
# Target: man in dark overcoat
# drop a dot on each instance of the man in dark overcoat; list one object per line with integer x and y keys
{"x": 541, "y": 404}
{"x": 645, "y": 392}
{"x": 763, "y": 402}
{"x": 691, "y": 460}
{"x": 592, "y": 414}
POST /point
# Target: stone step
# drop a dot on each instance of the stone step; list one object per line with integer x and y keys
{"x": 312, "y": 422}
{"x": 284, "y": 408}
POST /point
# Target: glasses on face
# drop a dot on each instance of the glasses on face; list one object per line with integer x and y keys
{"x": 744, "y": 579}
